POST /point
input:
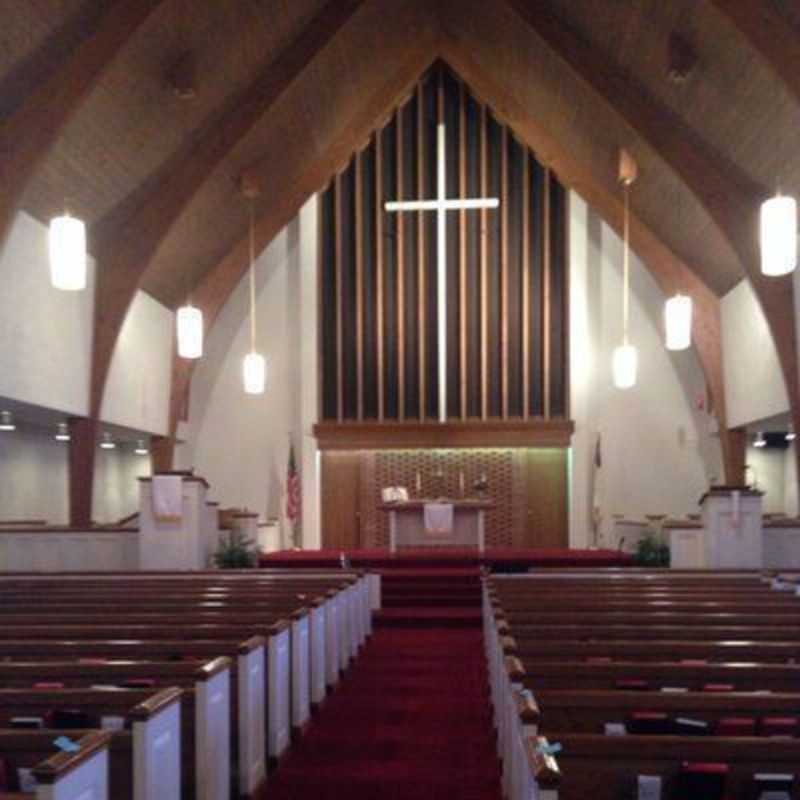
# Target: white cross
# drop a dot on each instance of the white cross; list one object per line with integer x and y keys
{"x": 441, "y": 205}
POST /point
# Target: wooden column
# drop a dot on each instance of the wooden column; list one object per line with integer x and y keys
{"x": 162, "y": 453}
{"x": 82, "y": 450}
{"x": 737, "y": 457}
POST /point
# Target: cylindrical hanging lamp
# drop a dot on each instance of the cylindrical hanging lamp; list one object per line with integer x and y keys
{"x": 625, "y": 359}
{"x": 254, "y": 368}
{"x": 67, "y": 241}
{"x": 189, "y": 321}
{"x": 778, "y": 235}
{"x": 678, "y": 322}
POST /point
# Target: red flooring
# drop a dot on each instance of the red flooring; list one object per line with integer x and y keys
{"x": 411, "y": 719}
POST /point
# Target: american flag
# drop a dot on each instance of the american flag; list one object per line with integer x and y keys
{"x": 292, "y": 489}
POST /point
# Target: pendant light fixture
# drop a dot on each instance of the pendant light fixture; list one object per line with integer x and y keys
{"x": 760, "y": 441}
{"x": 790, "y": 434}
{"x": 778, "y": 235}
{"x": 678, "y": 322}
{"x": 141, "y": 448}
{"x": 107, "y": 443}
{"x": 62, "y": 432}
{"x": 7, "y": 422}
{"x": 67, "y": 241}
{"x": 255, "y": 366}
{"x": 189, "y": 322}
{"x": 625, "y": 358}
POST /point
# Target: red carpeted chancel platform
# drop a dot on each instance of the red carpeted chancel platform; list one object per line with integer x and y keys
{"x": 496, "y": 559}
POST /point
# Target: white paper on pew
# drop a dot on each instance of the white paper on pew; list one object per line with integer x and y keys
{"x": 777, "y": 795}
{"x": 27, "y": 783}
{"x": 674, "y": 689}
{"x": 615, "y": 729}
{"x": 692, "y": 723}
{"x": 649, "y": 787}
{"x": 112, "y": 723}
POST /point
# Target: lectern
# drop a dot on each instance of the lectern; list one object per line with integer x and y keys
{"x": 732, "y": 520}
{"x": 407, "y": 524}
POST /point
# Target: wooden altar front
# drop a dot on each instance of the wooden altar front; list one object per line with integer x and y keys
{"x": 407, "y": 524}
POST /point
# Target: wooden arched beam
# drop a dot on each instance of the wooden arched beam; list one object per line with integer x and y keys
{"x": 731, "y": 198}
{"x": 279, "y": 208}
{"x": 769, "y": 34}
{"x": 669, "y": 271}
{"x": 128, "y": 239}
{"x": 28, "y": 133}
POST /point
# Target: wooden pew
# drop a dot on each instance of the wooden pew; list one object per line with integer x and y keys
{"x": 697, "y": 616}
{"x": 206, "y": 704}
{"x": 607, "y": 767}
{"x": 287, "y": 693}
{"x": 248, "y": 684}
{"x": 587, "y": 711}
{"x": 653, "y": 632}
{"x": 532, "y": 649}
{"x": 145, "y": 761}
{"x": 743, "y": 677}
{"x": 58, "y": 775}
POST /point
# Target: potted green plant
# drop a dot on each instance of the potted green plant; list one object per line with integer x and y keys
{"x": 235, "y": 551}
{"x": 652, "y": 551}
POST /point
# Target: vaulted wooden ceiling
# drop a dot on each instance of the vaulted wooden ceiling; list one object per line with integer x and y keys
{"x": 285, "y": 90}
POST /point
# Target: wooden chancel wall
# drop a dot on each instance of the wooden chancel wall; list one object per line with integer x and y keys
{"x": 527, "y": 485}
{"x": 507, "y": 348}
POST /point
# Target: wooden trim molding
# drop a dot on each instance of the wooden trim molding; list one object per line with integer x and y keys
{"x": 399, "y": 435}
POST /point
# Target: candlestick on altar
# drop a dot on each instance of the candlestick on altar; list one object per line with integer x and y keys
{"x": 461, "y": 482}
{"x": 418, "y": 483}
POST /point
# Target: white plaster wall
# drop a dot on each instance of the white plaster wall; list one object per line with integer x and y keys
{"x": 658, "y": 454}
{"x": 754, "y": 387}
{"x": 116, "y": 485}
{"x": 46, "y": 333}
{"x": 33, "y": 477}
{"x": 138, "y": 386}
{"x": 240, "y": 443}
{"x": 767, "y": 470}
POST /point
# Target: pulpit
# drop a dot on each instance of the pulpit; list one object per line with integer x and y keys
{"x": 407, "y": 524}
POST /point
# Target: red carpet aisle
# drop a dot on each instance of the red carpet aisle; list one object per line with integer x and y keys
{"x": 411, "y": 720}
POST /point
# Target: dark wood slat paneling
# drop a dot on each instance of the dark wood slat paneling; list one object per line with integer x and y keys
{"x": 506, "y": 277}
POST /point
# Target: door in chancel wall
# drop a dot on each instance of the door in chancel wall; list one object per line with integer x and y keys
{"x": 340, "y": 491}
{"x": 545, "y": 499}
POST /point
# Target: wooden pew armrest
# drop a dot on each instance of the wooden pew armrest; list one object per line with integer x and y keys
{"x": 543, "y": 765}
{"x": 211, "y": 668}
{"x": 528, "y": 708}
{"x": 60, "y": 764}
{"x": 156, "y": 704}
{"x": 509, "y": 645}
{"x": 515, "y": 669}
{"x": 253, "y": 643}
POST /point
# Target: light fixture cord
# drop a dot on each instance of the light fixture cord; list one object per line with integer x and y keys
{"x": 252, "y": 281}
{"x": 625, "y": 267}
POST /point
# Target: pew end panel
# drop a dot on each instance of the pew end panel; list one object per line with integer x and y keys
{"x": 300, "y": 673}
{"x": 213, "y": 731}
{"x": 64, "y": 776}
{"x": 279, "y": 711}
{"x": 252, "y": 682}
{"x": 157, "y": 747}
